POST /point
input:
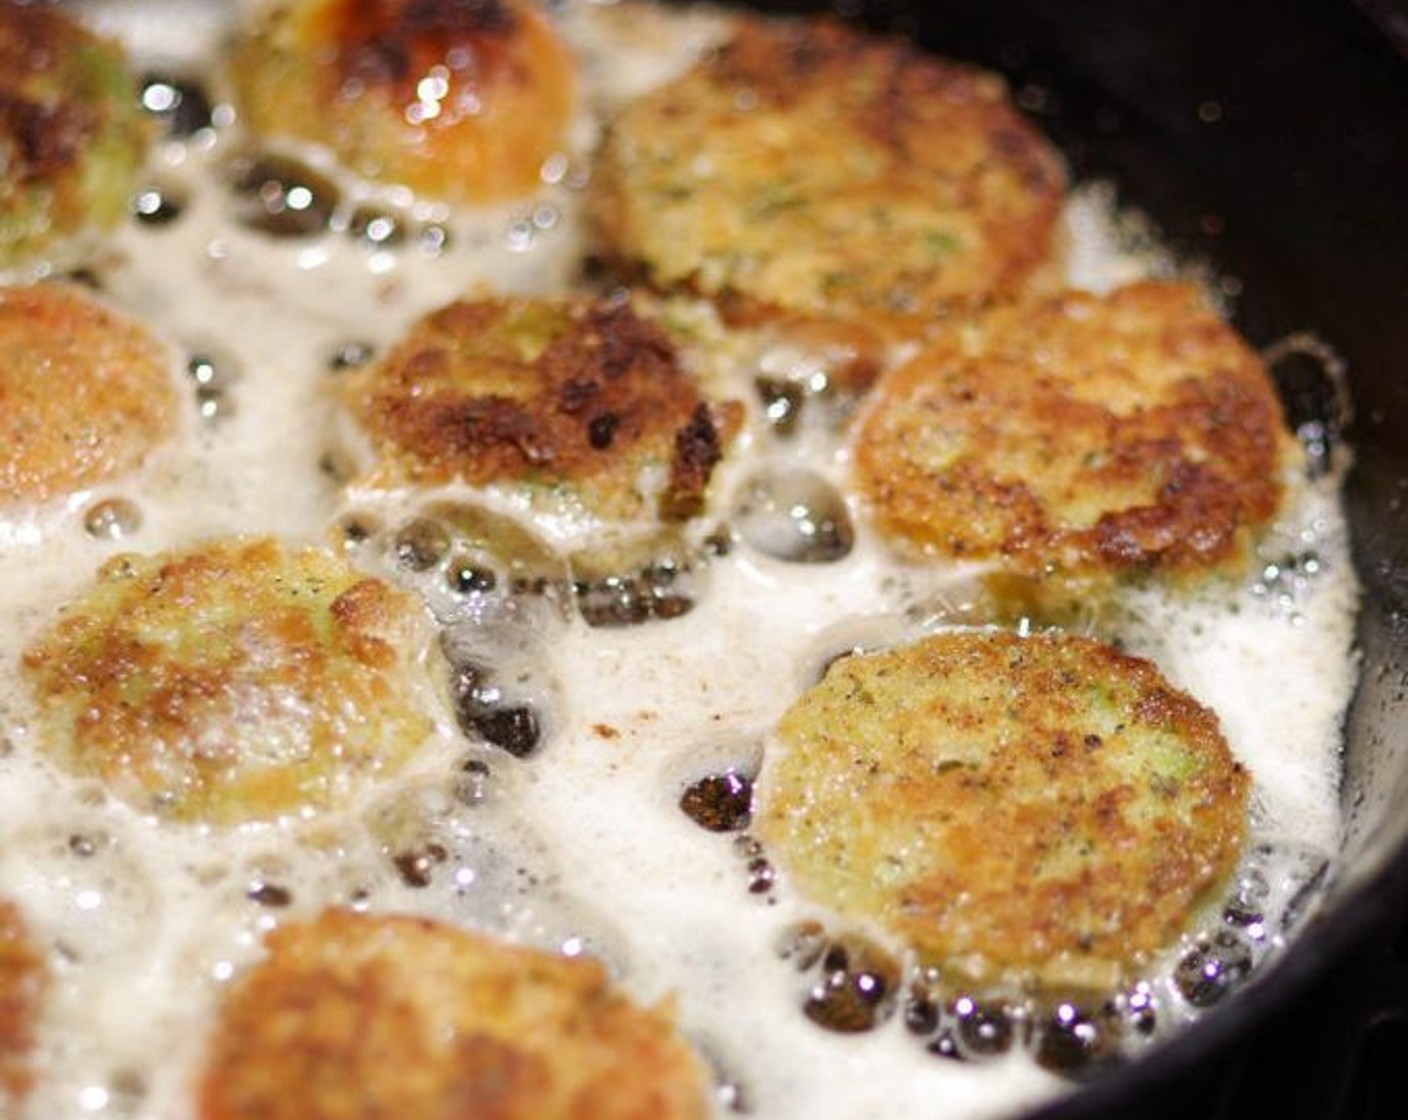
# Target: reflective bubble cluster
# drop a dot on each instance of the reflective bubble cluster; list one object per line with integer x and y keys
{"x": 1077, "y": 1039}
{"x": 852, "y": 982}
{"x": 653, "y": 578}
{"x": 282, "y": 196}
{"x": 963, "y": 1027}
{"x": 761, "y": 874}
{"x": 1215, "y": 966}
{"x": 473, "y": 565}
{"x": 212, "y": 377}
{"x": 470, "y": 564}
{"x": 805, "y": 383}
{"x": 1284, "y": 582}
{"x": 287, "y": 198}
{"x": 854, "y": 986}
{"x": 1281, "y": 881}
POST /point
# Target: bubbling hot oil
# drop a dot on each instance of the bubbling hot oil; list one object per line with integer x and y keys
{"x": 596, "y": 706}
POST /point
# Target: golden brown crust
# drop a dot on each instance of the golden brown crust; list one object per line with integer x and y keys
{"x": 23, "y": 980}
{"x": 462, "y": 101}
{"x": 72, "y": 137}
{"x": 808, "y": 170}
{"x": 231, "y": 682}
{"x": 354, "y": 1017}
{"x": 1033, "y": 809}
{"x": 1081, "y": 437}
{"x": 572, "y": 394}
{"x": 85, "y": 393}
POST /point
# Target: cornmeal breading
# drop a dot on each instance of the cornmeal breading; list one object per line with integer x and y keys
{"x": 23, "y": 979}
{"x": 1080, "y": 437}
{"x": 1040, "y": 809}
{"x": 354, "y": 1017}
{"x": 85, "y": 393}
{"x": 72, "y": 136}
{"x": 234, "y": 681}
{"x": 808, "y": 170}
{"x": 459, "y": 101}
{"x": 581, "y": 400}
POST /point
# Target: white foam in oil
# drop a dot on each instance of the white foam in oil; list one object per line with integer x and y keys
{"x": 581, "y": 846}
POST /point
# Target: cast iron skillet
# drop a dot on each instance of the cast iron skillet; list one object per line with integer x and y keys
{"x": 1269, "y": 137}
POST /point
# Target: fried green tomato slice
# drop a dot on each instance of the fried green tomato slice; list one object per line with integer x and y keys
{"x": 462, "y": 100}
{"x": 583, "y": 401}
{"x": 807, "y": 169}
{"x": 1081, "y": 437}
{"x": 235, "y": 681}
{"x": 23, "y": 980}
{"x": 72, "y": 134}
{"x": 1039, "y": 810}
{"x": 85, "y": 393}
{"x": 356, "y": 1017}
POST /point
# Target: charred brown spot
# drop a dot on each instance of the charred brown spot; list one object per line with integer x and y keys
{"x": 586, "y": 393}
{"x": 47, "y": 138}
{"x": 1150, "y": 440}
{"x": 425, "y": 1019}
{"x": 601, "y": 430}
{"x": 396, "y": 43}
{"x": 937, "y": 214}
{"x": 698, "y": 449}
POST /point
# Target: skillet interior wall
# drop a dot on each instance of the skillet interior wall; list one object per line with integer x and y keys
{"x": 1271, "y": 140}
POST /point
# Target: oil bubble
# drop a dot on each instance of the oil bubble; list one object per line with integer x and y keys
{"x": 1215, "y": 966}
{"x": 856, "y": 988}
{"x": 793, "y": 515}
{"x": 282, "y": 197}
{"x": 180, "y": 104}
{"x": 656, "y": 577}
{"x": 719, "y": 802}
{"x": 112, "y": 519}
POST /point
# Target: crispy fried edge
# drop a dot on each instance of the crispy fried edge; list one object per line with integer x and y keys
{"x": 335, "y": 1024}
{"x": 1033, "y": 937}
{"x": 106, "y": 364}
{"x": 776, "y": 62}
{"x": 78, "y": 671}
{"x": 587, "y": 403}
{"x": 1205, "y": 520}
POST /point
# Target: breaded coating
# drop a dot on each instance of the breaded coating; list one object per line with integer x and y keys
{"x": 461, "y": 100}
{"x": 1080, "y": 437}
{"x": 357, "y": 1017}
{"x": 807, "y": 169}
{"x": 235, "y": 681}
{"x": 72, "y": 134}
{"x": 85, "y": 393}
{"x": 571, "y": 397}
{"x": 1032, "y": 809}
{"x": 23, "y": 980}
